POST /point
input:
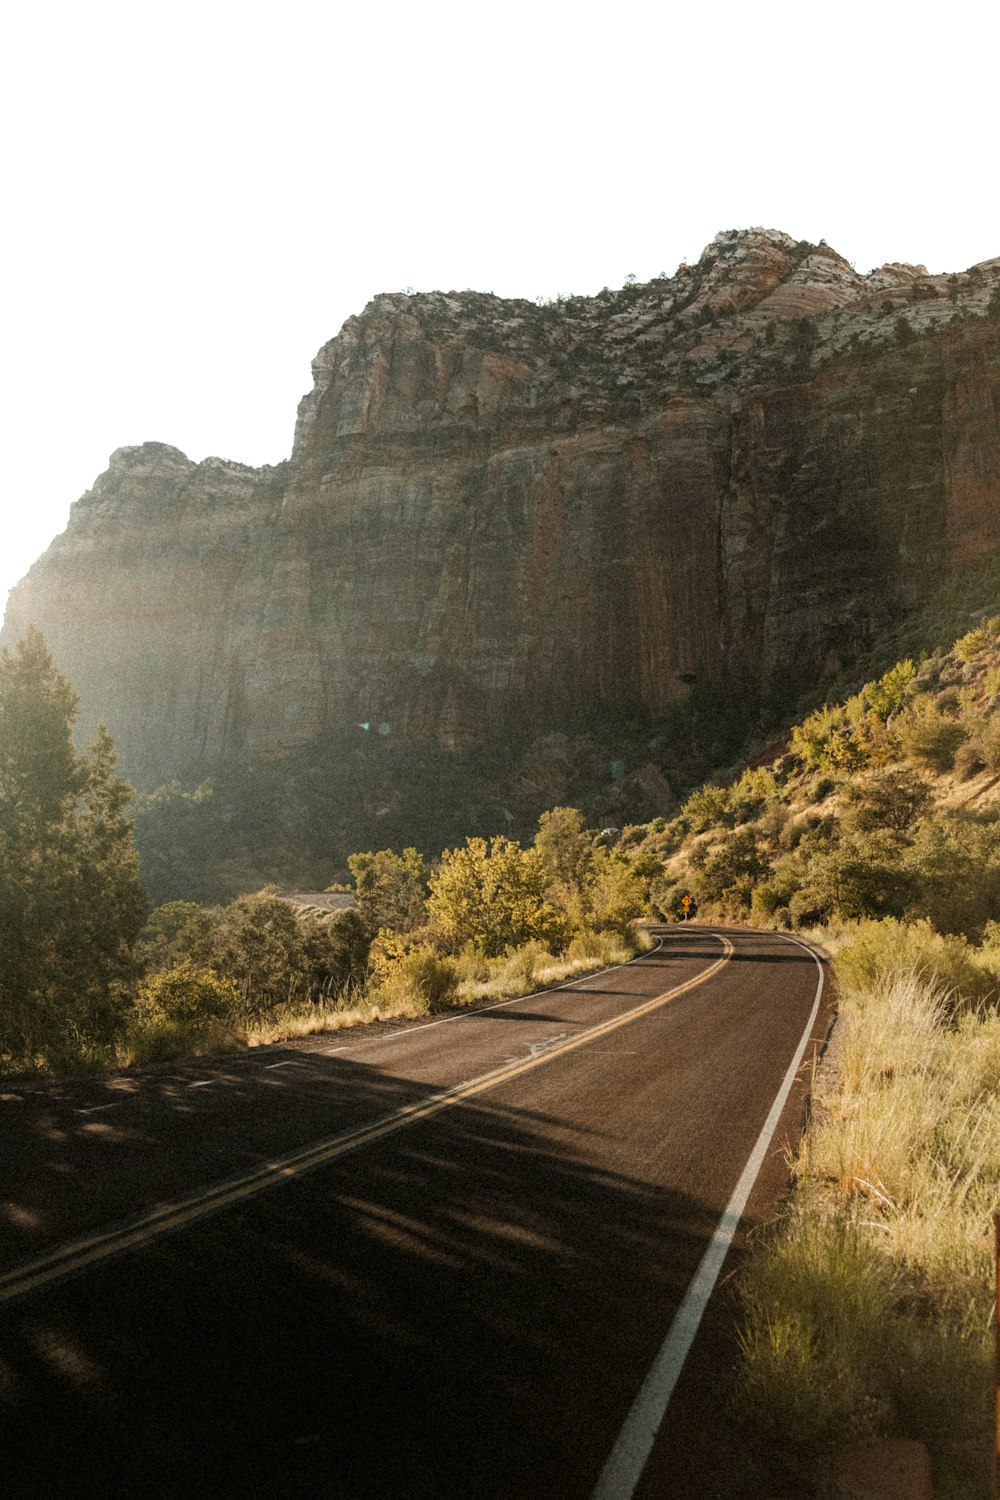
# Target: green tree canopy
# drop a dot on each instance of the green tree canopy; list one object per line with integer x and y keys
{"x": 391, "y": 889}
{"x": 71, "y": 902}
{"x": 492, "y": 896}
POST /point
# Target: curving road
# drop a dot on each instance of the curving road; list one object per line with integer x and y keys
{"x": 463, "y": 1258}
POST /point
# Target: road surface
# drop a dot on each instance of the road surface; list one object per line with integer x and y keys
{"x": 428, "y": 1260}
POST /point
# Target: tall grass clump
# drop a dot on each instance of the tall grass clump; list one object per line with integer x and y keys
{"x": 867, "y": 1312}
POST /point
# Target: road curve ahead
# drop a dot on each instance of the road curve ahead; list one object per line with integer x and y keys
{"x": 462, "y": 1258}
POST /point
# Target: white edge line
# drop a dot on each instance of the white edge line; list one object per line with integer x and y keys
{"x": 627, "y": 1459}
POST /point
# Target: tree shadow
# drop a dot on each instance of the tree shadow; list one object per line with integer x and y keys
{"x": 465, "y": 1309}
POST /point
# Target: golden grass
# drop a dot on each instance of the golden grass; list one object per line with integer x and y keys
{"x": 520, "y": 973}
{"x": 868, "y": 1311}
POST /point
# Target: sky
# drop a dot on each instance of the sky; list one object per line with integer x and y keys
{"x": 196, "y": 196}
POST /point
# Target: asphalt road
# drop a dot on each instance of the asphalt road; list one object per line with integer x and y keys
{"x": 433, "y": 1260}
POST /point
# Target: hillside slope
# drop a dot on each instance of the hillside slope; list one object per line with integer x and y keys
{"x": 886, "y": 805}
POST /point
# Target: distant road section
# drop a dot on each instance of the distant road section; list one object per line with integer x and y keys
{"x": 408, "y": 1262}
{"x": 322, "y": 900}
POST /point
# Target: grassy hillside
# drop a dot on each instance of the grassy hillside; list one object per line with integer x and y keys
{"x": 886, "y": 805}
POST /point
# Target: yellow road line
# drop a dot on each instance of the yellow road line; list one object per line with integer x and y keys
{"x": 79, "y": 1254}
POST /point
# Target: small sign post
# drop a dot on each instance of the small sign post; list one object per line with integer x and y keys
{"x": 686, "y": 903}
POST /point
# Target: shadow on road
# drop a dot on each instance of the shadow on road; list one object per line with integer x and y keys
{"x": 461, "y": 1311}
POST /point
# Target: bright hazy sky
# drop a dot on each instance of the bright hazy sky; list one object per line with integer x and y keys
{"x": 197, "y": 195}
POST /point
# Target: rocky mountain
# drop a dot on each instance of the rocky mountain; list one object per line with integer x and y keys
{"x": 502, "y": 521}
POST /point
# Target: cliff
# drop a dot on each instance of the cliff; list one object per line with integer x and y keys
{"x": 500, "y": 519}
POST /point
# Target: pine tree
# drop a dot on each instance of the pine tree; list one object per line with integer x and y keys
{"x": 71, "y": 901}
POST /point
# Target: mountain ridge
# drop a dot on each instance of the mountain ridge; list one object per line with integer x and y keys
{"x": 501, "y": 519}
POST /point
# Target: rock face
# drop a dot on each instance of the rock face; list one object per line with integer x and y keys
{"x": 499, "y": 516}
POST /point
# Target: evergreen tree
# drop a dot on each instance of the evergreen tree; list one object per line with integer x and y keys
{"x": 71, "y": 902}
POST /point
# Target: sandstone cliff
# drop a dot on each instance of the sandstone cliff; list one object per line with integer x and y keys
{"x": 500, "y": 518}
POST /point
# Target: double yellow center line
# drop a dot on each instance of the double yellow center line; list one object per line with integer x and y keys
{"x": 89, "y": 1250}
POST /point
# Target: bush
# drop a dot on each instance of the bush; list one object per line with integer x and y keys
{"x": 892, "y": 798}
{"x": 978, "y": 640}
{"x": 885, "y": 697}
{"x": 809, "y": 1361}
{"x": 605, "y": 947}
{"x": 774, "y": 895}
{"x": 729, "y": 874}
{"x": 706, "y": 808}
{"x": 755, "y": 790}
{"x": 969, "y": 760}
{"x": 187, "y": 994}
{"x": 810, "y": 906}
{"x": 827, "y": 741}
{"x": 408, "y": 970}
{"x": 521, "y": 966}
{"x": 954, "y": 863}
{"x": 930, "y": 737}
{"x": 988, "y": 736}
{"x": 182, "y": 1011}
{"x": 946, "y": 961}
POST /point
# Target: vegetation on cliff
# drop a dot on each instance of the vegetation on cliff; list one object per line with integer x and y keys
{"x": 885, "y": 805}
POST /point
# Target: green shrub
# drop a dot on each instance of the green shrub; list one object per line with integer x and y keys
{"x": 730, "y": 873}
{"x": 810, "y": 906}
{"x": 978, "y": 640}
{"x": 828, "y": 741}
{"x": 954, "y": 864}
{"x": 988, "y": 736}
{"x": 795, "y": 831}
{"x": 885, "y": 697}
{"x": 182, "y": 1012}
{"x": 406, "y": 969}
{"x": 521, "y": 966}
{"x": 188, "y": 994}
{"x": 888, "y": 946}
{"x": 606, "y": 947}
{"x": 754, "y": 791}
{"x": 810, "y": 1363}
{"x": 774, "y": 893}
{"x": 970, "y": 759}
{"x": 706, "y": 808}
{"x": 892, "y": 798}
{"x": 930, "y": 737}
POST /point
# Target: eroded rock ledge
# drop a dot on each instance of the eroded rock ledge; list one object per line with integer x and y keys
{"x": 498, "y": 515}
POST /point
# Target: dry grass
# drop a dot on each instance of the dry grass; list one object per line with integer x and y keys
{"x": 406, "y": 995}
{"x": 520, "y": 973}
{"x": 868, "y": 1312}
{"x": 532, "y": 968}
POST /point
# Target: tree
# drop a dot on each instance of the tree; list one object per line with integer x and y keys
{"x": 71, "y": 902}
{"x": 391, "y": 889}
{"x": 905, "y": 333}
{"x": 730, "y": 873}
{"x": 885, "y": 697}
{"x": 567, "y": 857}
{"x": 893, "y": 798}
{"x": 492, "y": 896}
{"x": 258, "y": 944}
{"x": 616, "y": 894}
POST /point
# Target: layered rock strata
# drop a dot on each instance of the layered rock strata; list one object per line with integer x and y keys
{"x": 499, "y": 516}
